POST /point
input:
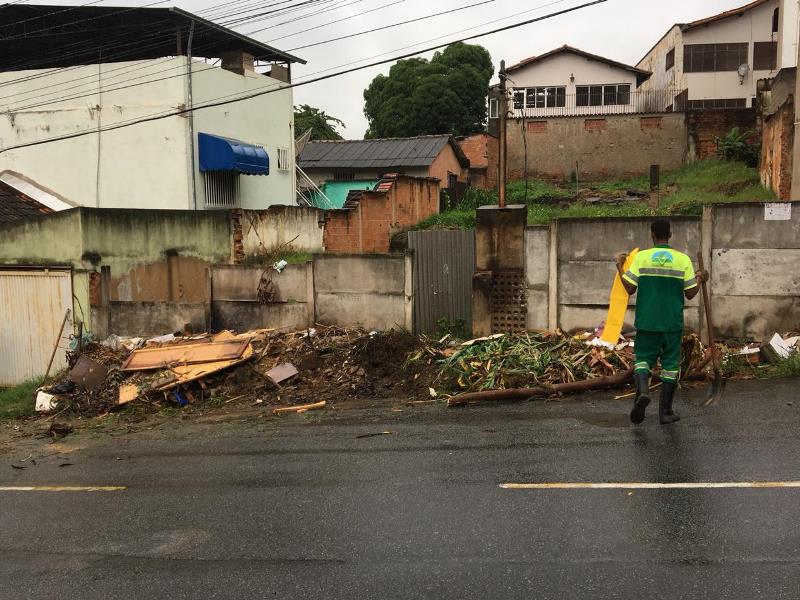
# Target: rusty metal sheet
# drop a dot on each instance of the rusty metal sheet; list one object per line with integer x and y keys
{"x": 184, "y": 354}
{"x": 88, "y": 374}
{"x": 444, "y": 262}
{"x": 281, "y": 373}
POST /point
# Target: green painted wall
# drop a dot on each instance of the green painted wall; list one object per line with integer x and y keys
{"x": 124, "y": 239}
{"x": 88, "y": 238}
{"x": 53, "y": 239}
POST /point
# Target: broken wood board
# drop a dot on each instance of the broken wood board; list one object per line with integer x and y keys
{"x": 300, "y": 408}
{"x": 187, "y": 373}
{"x": 184, "y": 354}
{"x": 128, "y": 392}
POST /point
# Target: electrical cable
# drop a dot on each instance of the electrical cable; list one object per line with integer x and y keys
{"x": 51, "y": 101}
{"x": 359, "y": 33}
{"x": 261, "y": 91}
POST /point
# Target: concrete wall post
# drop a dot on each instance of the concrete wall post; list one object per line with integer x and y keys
{"x": 408, "y": 296}
{"x": 310, "y": 294}
{"x": 706, "y": 244}
{"x": 552, "y": 284}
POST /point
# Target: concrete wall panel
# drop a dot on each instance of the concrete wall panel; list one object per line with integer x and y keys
{"x": 755, "y": 317}
{"x": 380, "y": 312}
{"x": 244, "y": 316}
{"x": 154, "y": 318}
{"x": 359, "y": 274}
{"x": 744, "y": 226}
{"x": 602, "y": 239}
{"x": 231, "y": 282}
{"x": 756, "y": 272}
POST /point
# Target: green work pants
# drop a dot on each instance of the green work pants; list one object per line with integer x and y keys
{"x": 652, "y": 345}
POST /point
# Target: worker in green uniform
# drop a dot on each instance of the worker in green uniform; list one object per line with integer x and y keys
{"x": 663, "y": 277}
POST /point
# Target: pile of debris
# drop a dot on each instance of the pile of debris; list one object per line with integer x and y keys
{"x": 320, "y": 366}
{"x": 508, "y": 361}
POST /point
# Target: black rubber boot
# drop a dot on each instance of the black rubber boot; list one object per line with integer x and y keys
{"x": 642, "y": 382}
{"x": 666, "y": 416}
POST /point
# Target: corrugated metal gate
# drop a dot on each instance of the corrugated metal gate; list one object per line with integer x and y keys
{"x": 33, "y": 306}
{"x": 444, "y": 262}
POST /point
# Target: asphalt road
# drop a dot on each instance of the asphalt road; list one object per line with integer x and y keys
{"x": 304, "y": 508}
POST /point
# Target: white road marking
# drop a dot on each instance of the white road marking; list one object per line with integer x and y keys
{"x": 63, "y": 488}
{"x": 650, "y": 486}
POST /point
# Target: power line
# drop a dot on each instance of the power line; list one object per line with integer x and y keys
{"x": 395, "y": 3}
{"x": 221, "y": 102}
{"x": 128, "y": 69}
{"x": 303, "y": 17}
{"x": 359, "y": 33}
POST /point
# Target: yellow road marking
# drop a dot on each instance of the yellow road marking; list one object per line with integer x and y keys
{"x": 650, "y": 486}
{"x": 63, "y": 488}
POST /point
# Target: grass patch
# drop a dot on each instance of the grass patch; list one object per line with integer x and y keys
{"x": 18, "y": 401}
{"x": 787, "y": 367}
{"x": 684, "y": 192}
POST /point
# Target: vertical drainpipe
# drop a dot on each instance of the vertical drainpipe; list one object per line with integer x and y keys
{"x": 190, "y": 106}
{"x": 99, "y": 125}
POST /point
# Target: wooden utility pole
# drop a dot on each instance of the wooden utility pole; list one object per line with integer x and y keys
{"x": 502, "y": 114}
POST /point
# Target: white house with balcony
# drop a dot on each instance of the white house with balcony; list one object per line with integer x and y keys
{"x": 190, "y": 115}
{"x": 718, "y": 60}
{"x": 568, "y": 81}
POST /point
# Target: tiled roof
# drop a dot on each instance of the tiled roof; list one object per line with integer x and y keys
{"x": 578, "y": 52}
{"x": 724, "y": 15}
{"x": 383, "y": 153}
{"x": 15, "y": 205}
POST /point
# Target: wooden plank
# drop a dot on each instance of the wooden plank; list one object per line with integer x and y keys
{"x": 184, "y": 354}
{"x": 188, "y": 373}
{"x": 299, "y": 409}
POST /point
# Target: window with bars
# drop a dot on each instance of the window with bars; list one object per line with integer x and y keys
{"x": 670, "y": 60}
{"x": 765, "y": 56}
{"x": 283, "y": 159}
{"x": 222, "y": 189}
{"x": 494, "y": 108}
{"x": 716, "y": 103}
{"x": 603, "y": 95}
{"x": 711, "y": 58}
{"x": 540, "y": 97}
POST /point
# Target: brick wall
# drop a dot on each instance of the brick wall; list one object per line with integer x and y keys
{"x": 368, "y": 227}
{"x": 482, "y": 151}
{"x": 777, "y": 144}
{"x": 707, "y": 125}
{"x": 608, "y": 146}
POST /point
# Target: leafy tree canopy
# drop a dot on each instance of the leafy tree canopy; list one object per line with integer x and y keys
{"x": 322, "y": 125}
{"x": 419, "y": 97}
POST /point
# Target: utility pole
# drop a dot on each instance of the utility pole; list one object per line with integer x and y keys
{"x": 502, "y": 114}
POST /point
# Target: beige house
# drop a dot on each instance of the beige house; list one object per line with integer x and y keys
{"x": 718, "y": 60}
{"x": 788, "y": 32}
{"x": 570, "y": 81}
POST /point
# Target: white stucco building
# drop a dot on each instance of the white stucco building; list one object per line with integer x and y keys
{"x": 788, "y": 33}
{"x": 569, "y": 81}
{"x": 110, "y": 117}
{"x": 718, "y": 60}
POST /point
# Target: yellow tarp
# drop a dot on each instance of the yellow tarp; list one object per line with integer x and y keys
{"x": 617, "y": 305}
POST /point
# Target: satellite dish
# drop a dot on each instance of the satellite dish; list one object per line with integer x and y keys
{"x": 744, "y": 69}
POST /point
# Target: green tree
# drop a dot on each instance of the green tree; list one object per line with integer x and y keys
{"x": 322, "y": 125}
{"x": 419, "y": 97}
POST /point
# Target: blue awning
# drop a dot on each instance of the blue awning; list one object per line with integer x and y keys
{"x": 225, "y": 154}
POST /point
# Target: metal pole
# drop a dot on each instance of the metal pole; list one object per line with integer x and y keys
{"x": 503, "y": 113}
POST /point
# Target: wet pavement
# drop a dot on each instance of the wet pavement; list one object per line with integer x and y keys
{"x": 308, "y": 508}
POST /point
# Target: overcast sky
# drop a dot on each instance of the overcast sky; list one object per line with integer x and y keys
{"x": 622, "y": 30}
